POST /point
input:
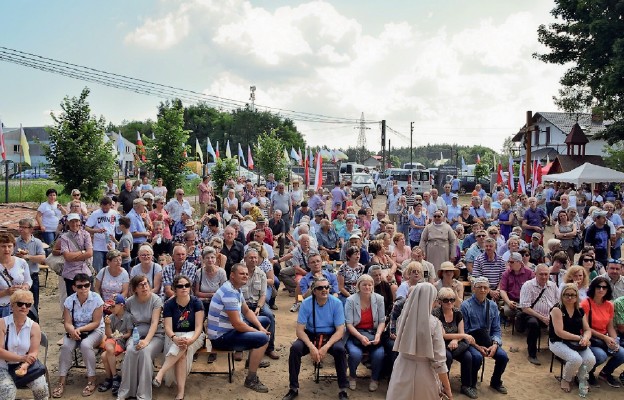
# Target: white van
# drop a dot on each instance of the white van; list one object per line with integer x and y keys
{"x": 419, "y": 179}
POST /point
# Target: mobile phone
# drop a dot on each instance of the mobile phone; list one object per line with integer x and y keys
{"x": 426, "y": 274}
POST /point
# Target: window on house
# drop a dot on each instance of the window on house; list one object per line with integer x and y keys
{"x": 537, "y": 135}
{"x": 548, "y": 135}
{"x": 17, "y": 148}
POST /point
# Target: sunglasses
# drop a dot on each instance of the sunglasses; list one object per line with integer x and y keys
{"x": 83, "y": 286}
{"x": 326, "y": 287}
{"x": 21, "y": 304}
{"x": 447, "y": 300}
{"x": 570, "y": 295}
{"x": 588, "y": 260}
{"x": 76, "y": 195}
{"x": 602, "y": 287}
{"x": 183, "y": 286}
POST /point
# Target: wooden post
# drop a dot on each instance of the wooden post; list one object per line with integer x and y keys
{"x": 527, "y": 139}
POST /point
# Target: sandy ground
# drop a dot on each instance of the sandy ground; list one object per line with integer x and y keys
{"x": 523, "y": 380}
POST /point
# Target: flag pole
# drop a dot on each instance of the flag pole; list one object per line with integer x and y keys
{"x": 20, "y": 172}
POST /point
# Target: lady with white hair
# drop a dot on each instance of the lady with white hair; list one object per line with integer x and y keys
{"x": 365, "y": 318}
{"x": 421, "y": 364}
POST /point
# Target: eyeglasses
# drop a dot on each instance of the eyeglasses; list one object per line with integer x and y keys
{"x": 21, "y": 304}
{"x": 447, "y": 300}
{"x": 482, "y": 287}
{"x": 179, "y": 194}
{"x": 326, "y": 287}
{"x": 76, "y": 195}
{"x": 144, "y": 283}
{"x": 602, "y": 287}
{"x": 84, "y": 286}
{"x": 570, "y": 295}
{"x": 24, "y": 227}
{"x": 588, "y": 260}
{"x": 183, "y": 286}
{"x": 437, "y": 216}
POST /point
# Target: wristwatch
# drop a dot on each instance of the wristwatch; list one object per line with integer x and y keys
{"x": 83, "y": 251}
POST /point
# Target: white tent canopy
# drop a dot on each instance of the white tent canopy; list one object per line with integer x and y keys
{"x": 587, "y": 173}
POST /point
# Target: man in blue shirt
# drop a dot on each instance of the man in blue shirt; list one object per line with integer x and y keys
{"x": 315, "y": 262}
{"x": 320, "y": 327}
{"x": 533, "y": 220}
{"x": 447, "y": 195}
{"x": 233, "y": 326}
{"x": 455, "y": 184}
{"x": 453, "y": 211}
{"x": 137, "y": 225}
{"x": 482, "y": 321}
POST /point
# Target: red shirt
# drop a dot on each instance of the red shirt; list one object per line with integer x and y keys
{"x": 366, "y": 322}
{"x": 601, "y": 314}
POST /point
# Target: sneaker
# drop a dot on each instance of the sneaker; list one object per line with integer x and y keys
{"x": 609, "y": 379}
{"x": 352, "y": 383}
{"x": 106, "y": 385}
{"x": 500, "y": 388}
{"x": 212, "y": 357}
{"x": 295, "y": 307}
{"x": 263, "y": 364}
{"x": 256, "y": 385}
{"x": 469, "y": 391}
{"x": 274, "y": 307}
{"x": 372, "y": 386}
{"x": 592, "y": 380}
{"x": 116, "y": 385}
{"x": 533, "y": 360}
{"x": 291, "y": 394}
{"x": 622, "y": 378}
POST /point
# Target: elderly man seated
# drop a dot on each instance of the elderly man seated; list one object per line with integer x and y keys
{"x": 315, "y": 262}
{"x": 328, "y": 240}
{"x": 320, "y": 328}
{"x": 537, "y": 298}
{"x": 297, "y": 267}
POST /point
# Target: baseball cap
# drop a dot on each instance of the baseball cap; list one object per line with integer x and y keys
{"x": 73, "y": 216}
{"x": 355, "y": 236}
{"x": 515, "y": 257}
{"x": 139, "y": 201}
{"x": 599, "y": 213}
{"x": 119, "y": 299}
{"x": 480, "y": 280}
{"x": 536, "y": 235}
{"x": 318, "y": 213}
{"x": 148, "y": 196}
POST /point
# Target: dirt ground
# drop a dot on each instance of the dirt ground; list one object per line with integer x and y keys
{"x": 523, "y": 380}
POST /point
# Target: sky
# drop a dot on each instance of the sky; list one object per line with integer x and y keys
{"x": 461, "y": 71}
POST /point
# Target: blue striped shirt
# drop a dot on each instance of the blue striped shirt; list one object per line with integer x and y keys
{"x": 491, "y": 269}
{"x": 227, "y": 298}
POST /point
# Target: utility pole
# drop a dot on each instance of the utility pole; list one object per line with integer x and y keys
{"x": 361, "y": 141}
{"x": 383, "y": 145}
{"x": 389, "y": 150}
{"x": 411, "y": 138}
{"x": 527, "y": 142}
{"x": 252, "y": 97}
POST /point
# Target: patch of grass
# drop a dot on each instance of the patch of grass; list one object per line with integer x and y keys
{"x": 32, "y": 191}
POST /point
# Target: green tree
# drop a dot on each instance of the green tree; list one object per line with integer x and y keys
{"x": 589, "y": 36}
{"x": 615, "y": 156}
{"x": 482, "y": 170}
{"x": 224, "y": 168}
{"x": 78, "y": 155}
{"x": 166, "y": 153}
{"x": 508, "y": 147}
{"x": 270, "y": 156}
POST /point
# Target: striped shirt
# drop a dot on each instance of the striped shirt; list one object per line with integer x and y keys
{"x": 529, "y": 292}
{"x": 227, "y": 298}
{"x": 491, "y": 269}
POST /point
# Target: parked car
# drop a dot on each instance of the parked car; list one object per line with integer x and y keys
{"x": 191, "y": 176}
{"x": 360, "y": 181}
{"x": 32, "y": 174}
{"x": 468, "y": 183}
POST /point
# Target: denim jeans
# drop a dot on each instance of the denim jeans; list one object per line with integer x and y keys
{"x": 500, "y": 363}
{"x": 239, "y": 341}
{"x": 35, "y": 289}
{"x": 615, "y": 361}
{"x": 299, "y": 349}
{"x": 469, "y": 367}
{"x": 99, "y": 260}
{"x": 355, "y": 351}
{"x": 265, "y": 311}
{"x": 48, "y": 237}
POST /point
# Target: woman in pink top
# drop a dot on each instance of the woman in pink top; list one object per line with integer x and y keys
{"x": 160, "y": 214}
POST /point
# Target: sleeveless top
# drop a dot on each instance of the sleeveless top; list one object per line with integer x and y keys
{"x": 573, "y": 324}
{"x": 16, "y": 343}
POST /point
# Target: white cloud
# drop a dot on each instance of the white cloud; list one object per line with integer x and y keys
{"x": 162, "y": 33}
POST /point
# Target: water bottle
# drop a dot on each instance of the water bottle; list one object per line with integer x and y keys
{"x": 334, "y": 266}
{"x": 135, "y": 336}
{"x": 583, "y": 375}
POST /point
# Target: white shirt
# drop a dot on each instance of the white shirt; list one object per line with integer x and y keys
{"x": 17, "y": 343}
{"x": 20, "y": 272}
{"x": 98, "y": 220}
{"x": 50, "y": 215}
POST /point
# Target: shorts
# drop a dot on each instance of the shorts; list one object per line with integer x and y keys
{"x": 118, "y": 349}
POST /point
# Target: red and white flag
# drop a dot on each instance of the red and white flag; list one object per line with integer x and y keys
{"x": 478, "y": 159}
{"x": 217, "y": 150}
{"x": 318, "y": 179}
{"x": 306, "y": 168}
{"x": 2, "y": 148}
{"x": 140, "y": 149}
{"x": 299, "y": 154}
{"x": 510, "y": 182}
{"x": 499, "y": 174}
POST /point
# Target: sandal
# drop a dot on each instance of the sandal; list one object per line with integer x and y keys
{"x": 106, "y": 385}
{"x": 89, "y": 389}
{"x": 565, "y": 386}
{"x": 58, "y": 390}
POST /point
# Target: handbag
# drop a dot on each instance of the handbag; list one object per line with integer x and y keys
{"x": 56, "y": 263}
{"x": 461, "y": 348}
{"x": 482, "y": 335}
{"x": 574, "y": 345}
{"x": 35, "y": 370}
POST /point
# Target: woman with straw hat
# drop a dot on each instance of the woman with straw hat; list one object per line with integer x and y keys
{"x": 447, "y": 277}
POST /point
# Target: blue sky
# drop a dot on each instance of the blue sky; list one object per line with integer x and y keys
{"x": 461, "y": 70}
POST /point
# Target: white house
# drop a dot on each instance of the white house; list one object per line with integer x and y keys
{"x": 551, "y": 131}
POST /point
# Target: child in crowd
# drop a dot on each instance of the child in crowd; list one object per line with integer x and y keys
{"x": 118, "y": 328}
{"x": 124, "y": 245}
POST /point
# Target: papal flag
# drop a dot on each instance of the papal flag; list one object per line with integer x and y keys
{"x": 198, "y": 150}
{"x": 24, "y": 145}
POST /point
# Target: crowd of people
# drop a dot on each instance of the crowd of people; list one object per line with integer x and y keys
{"x": 144, "y": 277}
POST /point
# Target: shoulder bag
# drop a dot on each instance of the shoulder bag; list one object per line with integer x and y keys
{"x": 35, "y": 370}
{"x": 482, "y": 335}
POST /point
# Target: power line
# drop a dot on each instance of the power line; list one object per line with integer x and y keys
{"x": 145, "y": 87}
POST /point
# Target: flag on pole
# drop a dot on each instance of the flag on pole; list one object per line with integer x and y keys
{"x": 534, "y": 177}
{"x": 463, "y": 164}
{"x": 478, "y": 159}
{"x": 547, "y": 159}
{"x": 121, "y": 147}
{"x": 539, "y": 173}
{"x": 286, "y": 156}
{"x": 510, "y": 182}
{"x": 153, "y": 137}
{"x": 25, "y": 147}
{"x": 441, "y": 158}
{"x": 521, "y": 184}
{"x": 499, "y": 174}
{"x": 494, "y": 161}
{"x": 318, "y": 179}
{"x": 210, "y": 150}
{"x": 217, "y": 151}
{"x": 140, "y": 149}
{"x": 198, "y": 150}
{"x": 300, "y": 158}
{"x": 294, "y": 155}
{"x": 228, "y": 152}
{"x": 241, "y": 155}
{"x": 250, "y": 162}
{"x": 2, "y": 148}
{"x": 306, "y": 168}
